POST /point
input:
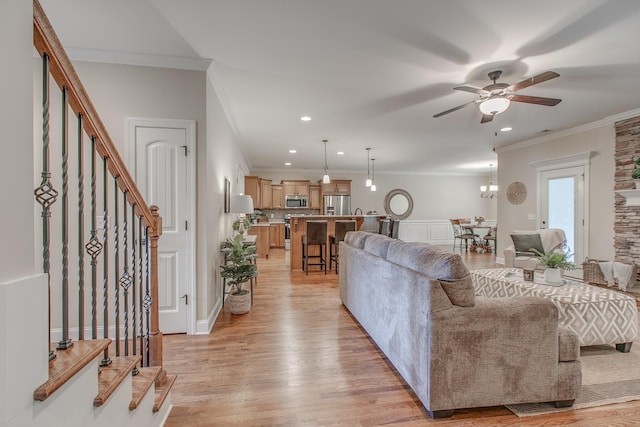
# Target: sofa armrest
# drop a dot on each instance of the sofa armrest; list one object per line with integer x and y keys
{"x": 506, "y": 345}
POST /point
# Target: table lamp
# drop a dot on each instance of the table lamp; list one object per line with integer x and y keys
{"x": 242, "y": 205}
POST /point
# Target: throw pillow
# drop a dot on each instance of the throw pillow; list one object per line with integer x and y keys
{"x": 524, "y": 242}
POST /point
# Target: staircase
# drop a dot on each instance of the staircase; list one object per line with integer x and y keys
{"x": 85, "y": 347}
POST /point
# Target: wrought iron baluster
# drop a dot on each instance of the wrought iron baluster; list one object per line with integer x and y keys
{"x": 147, "y": 296}
{"x": 116, "y": 257}
{"x": 45, "y": 194}
{"x": 80, "y": 230}
{"x": 65, "y": 342}
{"x": 105, "y": 246}
{"x": 125, "y": 278}
{"x": 134, "y": 283}
{"x": 141, "y": 257}
{"x": 93, "y": 246}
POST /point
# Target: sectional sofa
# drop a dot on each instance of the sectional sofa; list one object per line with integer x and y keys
{"x": 454, "y": 349}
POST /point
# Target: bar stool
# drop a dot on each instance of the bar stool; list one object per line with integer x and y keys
{"x": 334, "y": 241}
{"x": 316, "y": 235}
{"x": 384, "y": 227}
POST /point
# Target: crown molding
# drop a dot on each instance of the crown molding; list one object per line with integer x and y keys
{"x": 139, "y": 59}
{"x": 609, "y": 120}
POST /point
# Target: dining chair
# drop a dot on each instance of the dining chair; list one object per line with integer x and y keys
{"x": 462, "y": 234}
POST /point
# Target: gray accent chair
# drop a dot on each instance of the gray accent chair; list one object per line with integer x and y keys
{"x": 455, "y": 349}
{"x": 551, "y": 239}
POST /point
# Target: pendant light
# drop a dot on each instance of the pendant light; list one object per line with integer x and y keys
{"x": 325, "y": 178}
{"x": 373, "y": 175}
{"x": 492, "y": 188}
{"x": 367, "y": 183}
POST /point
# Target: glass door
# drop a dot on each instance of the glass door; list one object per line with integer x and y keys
{"x": 562, "y": 206}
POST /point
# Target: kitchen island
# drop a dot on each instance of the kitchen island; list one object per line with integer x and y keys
{"x": 298, "y": 224}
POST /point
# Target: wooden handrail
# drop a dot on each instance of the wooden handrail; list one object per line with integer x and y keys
{"x": 46, "y": 41}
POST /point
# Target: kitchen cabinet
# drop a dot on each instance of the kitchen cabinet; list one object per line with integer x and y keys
{"x": 252, "y": 188}
{"x": 314, "y": 196}
{"x": 296, "y": 188}
{"x": 276, "y": 235}
{"x": 277, "y": 196}
{"x": 265, "y": 194}
{"x": 337, "y": 187}
{"x": 262, "y": 241}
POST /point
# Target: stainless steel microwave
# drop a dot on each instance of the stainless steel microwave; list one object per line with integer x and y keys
{"x": 295, "y": 201}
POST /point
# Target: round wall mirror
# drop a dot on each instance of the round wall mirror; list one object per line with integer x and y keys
{"x": 398, "y": 204}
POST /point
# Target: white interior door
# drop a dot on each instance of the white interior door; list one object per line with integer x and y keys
{"x": 162, "y": 172}
{"x": 562, "y": 206}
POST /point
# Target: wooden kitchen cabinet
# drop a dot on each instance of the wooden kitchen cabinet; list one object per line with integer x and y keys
{"x": 276, "y": 235}
{"x": 337, "y": 187}
{"x": 265, "y": 194}
{"x": 296, "y": 188}
{"x": 314, "y": 196}
{"x": 252, "y": 188}
{"x": 262, "y": 242}
{"x": 277, "y": 196}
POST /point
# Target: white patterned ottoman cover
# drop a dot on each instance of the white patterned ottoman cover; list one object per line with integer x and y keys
{"x": 597, "y": 315}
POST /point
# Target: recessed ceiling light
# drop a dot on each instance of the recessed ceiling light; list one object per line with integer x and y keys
{"x": 506, "y": 129}
{"x": 340, "y": 153}
{"x": 288, "y": 164}
{"x": 305, "y": 118}
{"x": 293, "y": 151}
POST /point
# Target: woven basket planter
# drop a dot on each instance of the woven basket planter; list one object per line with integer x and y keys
{"x": 239, "y": 304}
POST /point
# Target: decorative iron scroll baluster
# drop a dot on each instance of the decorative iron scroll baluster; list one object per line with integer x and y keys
{"x": 105, "y": 246}
{"x": 65, "y": 342}
{"x": 45, "y": 194}
{"x": 93, "y": 246}
{"x": 116, "y": 257}
{"x": 80, "y": 230}
{"x": 147, "y": 296}
{"x": 141, "y": 257}
{"x": 125, "y": 278}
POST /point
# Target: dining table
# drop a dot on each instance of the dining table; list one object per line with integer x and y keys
{"x": 481, "y": 243}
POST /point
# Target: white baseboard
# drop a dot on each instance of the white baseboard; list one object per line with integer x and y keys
{"x": 204, "y": 327}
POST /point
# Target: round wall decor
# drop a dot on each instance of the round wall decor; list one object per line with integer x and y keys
{"x": 516, "y": 192}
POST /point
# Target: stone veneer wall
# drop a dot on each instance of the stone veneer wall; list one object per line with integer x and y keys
{"x": 627, "y": 220}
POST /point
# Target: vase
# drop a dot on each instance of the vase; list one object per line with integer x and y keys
{"x": 239, "y": 303}
{"x": 552, "y": 275}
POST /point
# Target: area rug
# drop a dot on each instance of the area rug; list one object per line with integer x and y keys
{"x": 608, "y": 376}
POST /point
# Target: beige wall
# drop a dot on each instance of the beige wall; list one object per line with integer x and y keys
{"x": 515, "y": 165}
{"x": 16, "y": 162}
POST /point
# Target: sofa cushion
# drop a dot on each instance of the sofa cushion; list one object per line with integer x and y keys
{"x": 377, "y": 244}
{"x": 356, "y": 238}
{"x": 524, "y": 242}
{"x": 446, "y": 267}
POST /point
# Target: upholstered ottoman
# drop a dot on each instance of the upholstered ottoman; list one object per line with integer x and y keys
{"x": 597, "y": 315}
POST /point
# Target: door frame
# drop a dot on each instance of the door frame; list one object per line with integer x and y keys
{"x": 577, "y": 160}
{"x": 189, "y": 127}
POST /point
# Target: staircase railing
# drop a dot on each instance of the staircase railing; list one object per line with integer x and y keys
{"x": 127, "y": 281}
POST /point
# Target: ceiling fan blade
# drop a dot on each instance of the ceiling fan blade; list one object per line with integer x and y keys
{"x": 486, "y": 118}
{"x": 451, "y": 110}
{"x": 549, "y": 102}
{"x": 547, "y": 75}
{"x": 472, "y": 89}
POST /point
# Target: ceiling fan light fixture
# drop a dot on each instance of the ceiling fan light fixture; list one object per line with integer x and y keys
{"x": 493, "y": 106}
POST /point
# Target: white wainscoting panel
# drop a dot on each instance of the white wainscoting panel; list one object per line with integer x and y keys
{"x": 434, "y": 232}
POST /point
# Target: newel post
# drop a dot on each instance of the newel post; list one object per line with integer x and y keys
{"x": 155, "y": 335}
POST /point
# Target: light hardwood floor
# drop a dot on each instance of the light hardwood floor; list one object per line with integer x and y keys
{"x": 300, "y": 359}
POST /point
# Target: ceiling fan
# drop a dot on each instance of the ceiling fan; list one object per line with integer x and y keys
{"x": 496, "y": 97}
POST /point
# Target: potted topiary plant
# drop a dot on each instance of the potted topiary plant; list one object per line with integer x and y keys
{"x": 636, "y": 173}
{"x": 554, "y": 262}
{"x": 237, "y": 270}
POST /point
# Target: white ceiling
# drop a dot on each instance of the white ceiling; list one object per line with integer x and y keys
{"x": 372, "y": 73}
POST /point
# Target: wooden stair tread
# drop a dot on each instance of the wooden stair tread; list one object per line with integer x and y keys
{"x": 68, "y": 363}
{"x": 142, "y": 383}
{"x": 163, "y": 391}
{"x": 110, "y": 377}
